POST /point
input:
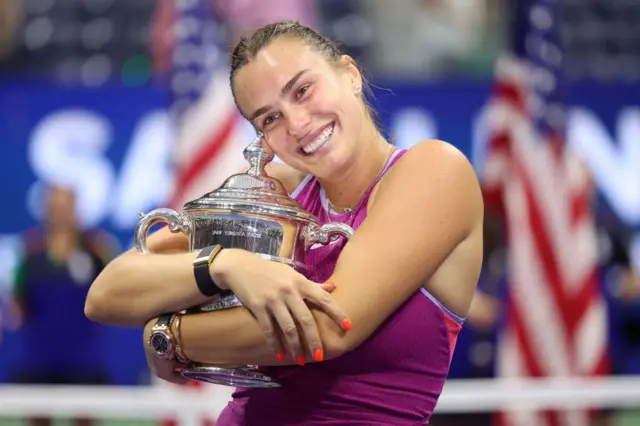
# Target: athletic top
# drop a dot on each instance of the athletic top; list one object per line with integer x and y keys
{"x": 393, "y": 378}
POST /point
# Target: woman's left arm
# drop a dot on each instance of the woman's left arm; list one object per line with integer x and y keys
{"x": 427, "y": 205}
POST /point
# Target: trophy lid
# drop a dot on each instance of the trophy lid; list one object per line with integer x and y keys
{"x": 253, "y": 191}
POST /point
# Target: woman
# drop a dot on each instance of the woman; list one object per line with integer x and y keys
{"x": 404, "y": 281}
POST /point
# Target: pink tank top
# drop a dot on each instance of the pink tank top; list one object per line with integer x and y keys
{"x": 393, "y": 378}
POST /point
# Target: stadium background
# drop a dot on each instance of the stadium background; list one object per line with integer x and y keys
{"x": 88, "y": 97}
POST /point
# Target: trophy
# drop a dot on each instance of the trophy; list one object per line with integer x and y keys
{"x": 250, "y": 211}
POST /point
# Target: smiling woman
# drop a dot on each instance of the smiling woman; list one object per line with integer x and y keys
{"x": 371, "y": 346}
{"x": 308, "y": 79}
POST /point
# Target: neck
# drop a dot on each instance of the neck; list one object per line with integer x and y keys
{"x": 346, "y": 190}
{"x": 61, "y": 243}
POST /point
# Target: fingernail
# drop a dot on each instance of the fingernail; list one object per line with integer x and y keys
{"x": 301, "y": 361}
{"x": 331, "y": 283}
{"x": 178, "y": 370}
{"x": 317, "y": 355}
{"x": 329, "y": 286}
{"x": 280, "y": 357}
{"x": 346, "y": 324}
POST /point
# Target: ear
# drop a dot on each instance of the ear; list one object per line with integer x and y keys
{"x": 351, "y": 70}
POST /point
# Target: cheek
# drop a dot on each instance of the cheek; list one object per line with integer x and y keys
{"x": 336, "y": 105}
{"x": 280, "y": 142}
{"x": 351, "y": 112}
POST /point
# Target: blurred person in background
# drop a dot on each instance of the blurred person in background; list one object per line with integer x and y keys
{"x": 60, "y": 261}
{"x": 437, "y": 37}
{"x": 475, "y": 353}
{"x": 10, "y": 19}
{"x": 621, "y": 282}
{"x": 245, "y": 16}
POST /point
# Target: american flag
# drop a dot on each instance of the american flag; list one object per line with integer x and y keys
{"x": 555, "y": 314}
{"x": 210, "y": 132}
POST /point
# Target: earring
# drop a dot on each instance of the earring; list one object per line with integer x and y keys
{"x": 356, "y": 88}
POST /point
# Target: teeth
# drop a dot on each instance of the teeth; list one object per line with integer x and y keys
{"x": 320, "y": 140}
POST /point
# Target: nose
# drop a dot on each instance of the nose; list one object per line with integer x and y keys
{"x": 298, "y": 121}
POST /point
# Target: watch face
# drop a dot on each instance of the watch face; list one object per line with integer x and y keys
{"x": 160, "y": 344}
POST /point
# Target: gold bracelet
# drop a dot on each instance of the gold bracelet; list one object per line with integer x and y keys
{"x": 176, "y": 335}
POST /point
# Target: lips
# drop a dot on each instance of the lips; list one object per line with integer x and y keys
{"x": 317, "y": 139}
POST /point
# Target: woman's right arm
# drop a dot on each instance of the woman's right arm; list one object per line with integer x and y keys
{"x": 135, "y": 287}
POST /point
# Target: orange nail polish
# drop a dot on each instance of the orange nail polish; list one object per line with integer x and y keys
{"x": 318, "y": 355}
{"x": 280, "y": 356}
{"x": 301, "y": 361}
{"x": 346, "y": 324}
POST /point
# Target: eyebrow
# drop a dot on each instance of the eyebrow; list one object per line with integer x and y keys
{"x": 286, "y": 89}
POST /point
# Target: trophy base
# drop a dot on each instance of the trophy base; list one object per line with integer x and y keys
{"x": 238, "y": 377}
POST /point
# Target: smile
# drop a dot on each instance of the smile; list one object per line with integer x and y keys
{"x": 319, "y": 141}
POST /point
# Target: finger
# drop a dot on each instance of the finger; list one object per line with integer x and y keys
{"x": 328, "y": 287}
{"x": 177, "y": 377}
{"x": 323, "y": 300}
{"x": 289, "y": 330}
{"x": 302, "y": 315}
{"x": 266, "y": 325}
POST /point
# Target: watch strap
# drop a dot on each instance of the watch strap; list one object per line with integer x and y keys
{"x": 164, "y": 320}
{"x": 201, "y": 264}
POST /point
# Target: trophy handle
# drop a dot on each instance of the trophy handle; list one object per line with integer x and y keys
{"x": 314, "y": 234}
{"x": 175, "y": 221}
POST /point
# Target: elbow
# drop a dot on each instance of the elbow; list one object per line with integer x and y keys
{"x": 101, "y": 303}
{"x": 332, "y": 351}
{"x": 95, "y": 306}
{"x": 335, "y": 340}
{"x": 107, "y": 304}
{"x": 336, "y": 343}
{"x": 105, "y": 308}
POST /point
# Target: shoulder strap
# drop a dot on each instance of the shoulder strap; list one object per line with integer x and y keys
{"x": 397, "y": 154}
{"x": 301, "y": 186}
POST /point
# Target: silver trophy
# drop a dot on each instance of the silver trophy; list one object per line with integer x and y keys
{"x": 251, "y": 211}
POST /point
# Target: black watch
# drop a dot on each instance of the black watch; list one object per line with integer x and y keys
{"x": 201, "y": 264}
{"x": 161, "y": 339}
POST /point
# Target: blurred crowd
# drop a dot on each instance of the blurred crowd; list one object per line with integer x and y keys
{"x": 87, "y": 42}
{"x": 414, "y": 39}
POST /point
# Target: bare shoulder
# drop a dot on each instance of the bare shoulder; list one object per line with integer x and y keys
{"x": 437, "y": 152}
{"x": 431, "y": 160}
{"x": 434, "y": 167}
{"x": 289, "y": 176}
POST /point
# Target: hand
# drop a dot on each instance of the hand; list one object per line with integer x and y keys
{"x": 16, "y": 316}
{"x": 164, "y": 369}
{"x": 483, "y": 312}
{"x": 272, "y": 290}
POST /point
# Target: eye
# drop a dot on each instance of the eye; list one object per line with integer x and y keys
{"x": 269, "y": 119}
{"x": 301, "y": 91}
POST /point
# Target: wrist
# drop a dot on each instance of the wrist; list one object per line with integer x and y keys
{"x": 159, "y": 337}
{"x": 176, "y": 332}
{"x": 220, "y": 268}
{"x": 201, "y": 270}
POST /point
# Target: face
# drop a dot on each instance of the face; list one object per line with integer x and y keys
{"x": 307, "y": 108}
{"x": 61, "y": 209}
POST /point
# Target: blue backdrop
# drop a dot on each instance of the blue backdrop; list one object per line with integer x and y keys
{"x": 113, "y": 144}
